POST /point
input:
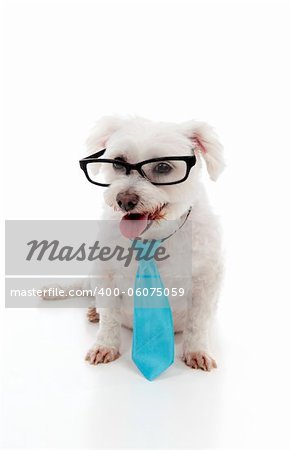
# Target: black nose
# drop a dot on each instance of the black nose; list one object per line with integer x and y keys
{"x": 127, "y": 201}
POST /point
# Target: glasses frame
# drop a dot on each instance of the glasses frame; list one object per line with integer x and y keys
{"x": 95, "y": 157}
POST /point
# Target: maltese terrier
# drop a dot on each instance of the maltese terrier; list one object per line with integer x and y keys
{"x": 149, "y": 173}
{"x": 146, "y": 186}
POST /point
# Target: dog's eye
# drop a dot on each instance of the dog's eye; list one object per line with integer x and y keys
{"x": 162, "y": 168}
{"x": 118, "y": 166}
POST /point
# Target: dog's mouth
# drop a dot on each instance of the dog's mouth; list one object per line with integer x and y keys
{"x": 134, "y": 224}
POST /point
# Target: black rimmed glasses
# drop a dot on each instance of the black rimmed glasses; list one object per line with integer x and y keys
{"x": 159, "y": 171}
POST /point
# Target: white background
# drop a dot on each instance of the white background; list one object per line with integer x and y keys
{"x": 68, "y": 63}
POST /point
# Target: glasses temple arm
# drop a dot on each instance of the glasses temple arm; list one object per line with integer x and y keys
{"x": 95, "y": 155}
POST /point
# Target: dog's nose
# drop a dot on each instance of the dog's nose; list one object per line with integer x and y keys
{"x": 127, "y": 201}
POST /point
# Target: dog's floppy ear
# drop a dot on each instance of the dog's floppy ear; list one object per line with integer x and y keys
{"x": 101, "y": 132}
{"x": 206, "y": 142}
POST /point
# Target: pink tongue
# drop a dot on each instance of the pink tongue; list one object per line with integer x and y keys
{"x": 132, "y": 225}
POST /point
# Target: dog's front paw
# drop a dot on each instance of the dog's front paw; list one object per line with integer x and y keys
{"x": 100, "y": 354}
{"x": 199, "y": 360}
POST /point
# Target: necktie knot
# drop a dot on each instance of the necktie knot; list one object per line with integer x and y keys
{"x": 147, "y": 248}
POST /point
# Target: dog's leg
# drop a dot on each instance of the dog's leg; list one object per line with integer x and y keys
{"x": 106, "y": 347}
{"x": 200, "y": 311}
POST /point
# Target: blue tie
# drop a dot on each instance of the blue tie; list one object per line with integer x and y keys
{"x": 153, "y": 334}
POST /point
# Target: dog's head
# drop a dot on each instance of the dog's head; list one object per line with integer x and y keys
{"x": 135, "y": 140}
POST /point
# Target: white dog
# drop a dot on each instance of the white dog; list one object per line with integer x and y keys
{"x": 132, "y": 195}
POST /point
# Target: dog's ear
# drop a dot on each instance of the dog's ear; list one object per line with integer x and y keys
{"x": 206, "y": 143}
{"x": 101, "y": 132}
